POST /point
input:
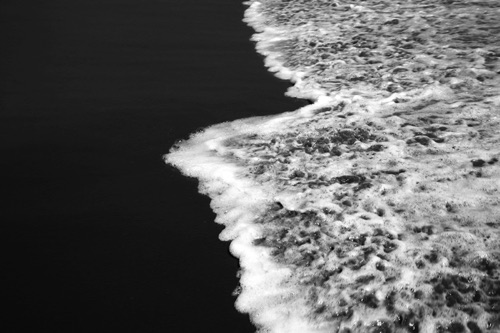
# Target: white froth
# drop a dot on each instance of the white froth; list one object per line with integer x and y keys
{"x": 374, "y": 209}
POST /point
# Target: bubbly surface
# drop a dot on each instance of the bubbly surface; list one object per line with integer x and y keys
{"x": 377, "y": 207}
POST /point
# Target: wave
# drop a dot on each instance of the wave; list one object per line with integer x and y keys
{"x": 376, "y": 208}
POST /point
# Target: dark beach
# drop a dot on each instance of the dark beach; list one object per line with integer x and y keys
{"x": 100, "y": 234}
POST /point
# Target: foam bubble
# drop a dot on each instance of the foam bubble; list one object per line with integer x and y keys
{"x": 374, "y": 209}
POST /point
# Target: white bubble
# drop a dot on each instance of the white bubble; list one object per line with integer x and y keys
{"x": 377, "y": 205}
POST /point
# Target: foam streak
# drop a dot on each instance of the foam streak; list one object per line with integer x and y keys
{"x": 376, "y": 208}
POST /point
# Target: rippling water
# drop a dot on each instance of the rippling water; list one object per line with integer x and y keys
{"x": 376, "y": 208}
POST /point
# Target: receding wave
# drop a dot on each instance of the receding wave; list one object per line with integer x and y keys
{"x": 377, "y": 207}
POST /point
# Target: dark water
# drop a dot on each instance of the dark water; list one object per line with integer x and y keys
{"x": 101, "y": 235}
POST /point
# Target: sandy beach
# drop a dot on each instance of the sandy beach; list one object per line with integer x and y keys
{"x": 100, "y": 234}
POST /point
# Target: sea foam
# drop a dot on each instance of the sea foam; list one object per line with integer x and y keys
{"x": 377, "y": 207}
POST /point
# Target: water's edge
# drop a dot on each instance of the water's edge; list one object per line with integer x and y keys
{"x": 374, "y": 208}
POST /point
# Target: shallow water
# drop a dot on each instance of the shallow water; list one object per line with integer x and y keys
{"x": 375, "y": 209}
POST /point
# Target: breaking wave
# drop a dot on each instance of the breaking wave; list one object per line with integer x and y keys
{"x": 377, "y": 207}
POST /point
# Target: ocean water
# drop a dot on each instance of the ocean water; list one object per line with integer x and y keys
{"x": 376, "y": 207}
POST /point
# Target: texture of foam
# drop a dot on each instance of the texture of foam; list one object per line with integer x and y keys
{"x": 377, "y": 208}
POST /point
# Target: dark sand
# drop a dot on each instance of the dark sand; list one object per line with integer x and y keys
{"x": 101, "y": 235}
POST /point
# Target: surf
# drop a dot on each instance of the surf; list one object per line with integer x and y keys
{"x": 375, "y": 208}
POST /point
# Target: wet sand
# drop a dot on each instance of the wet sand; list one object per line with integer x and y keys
{"x": 101, "y": 234}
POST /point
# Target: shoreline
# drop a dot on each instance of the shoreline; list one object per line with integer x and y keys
{"x": 348, "y": 214}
